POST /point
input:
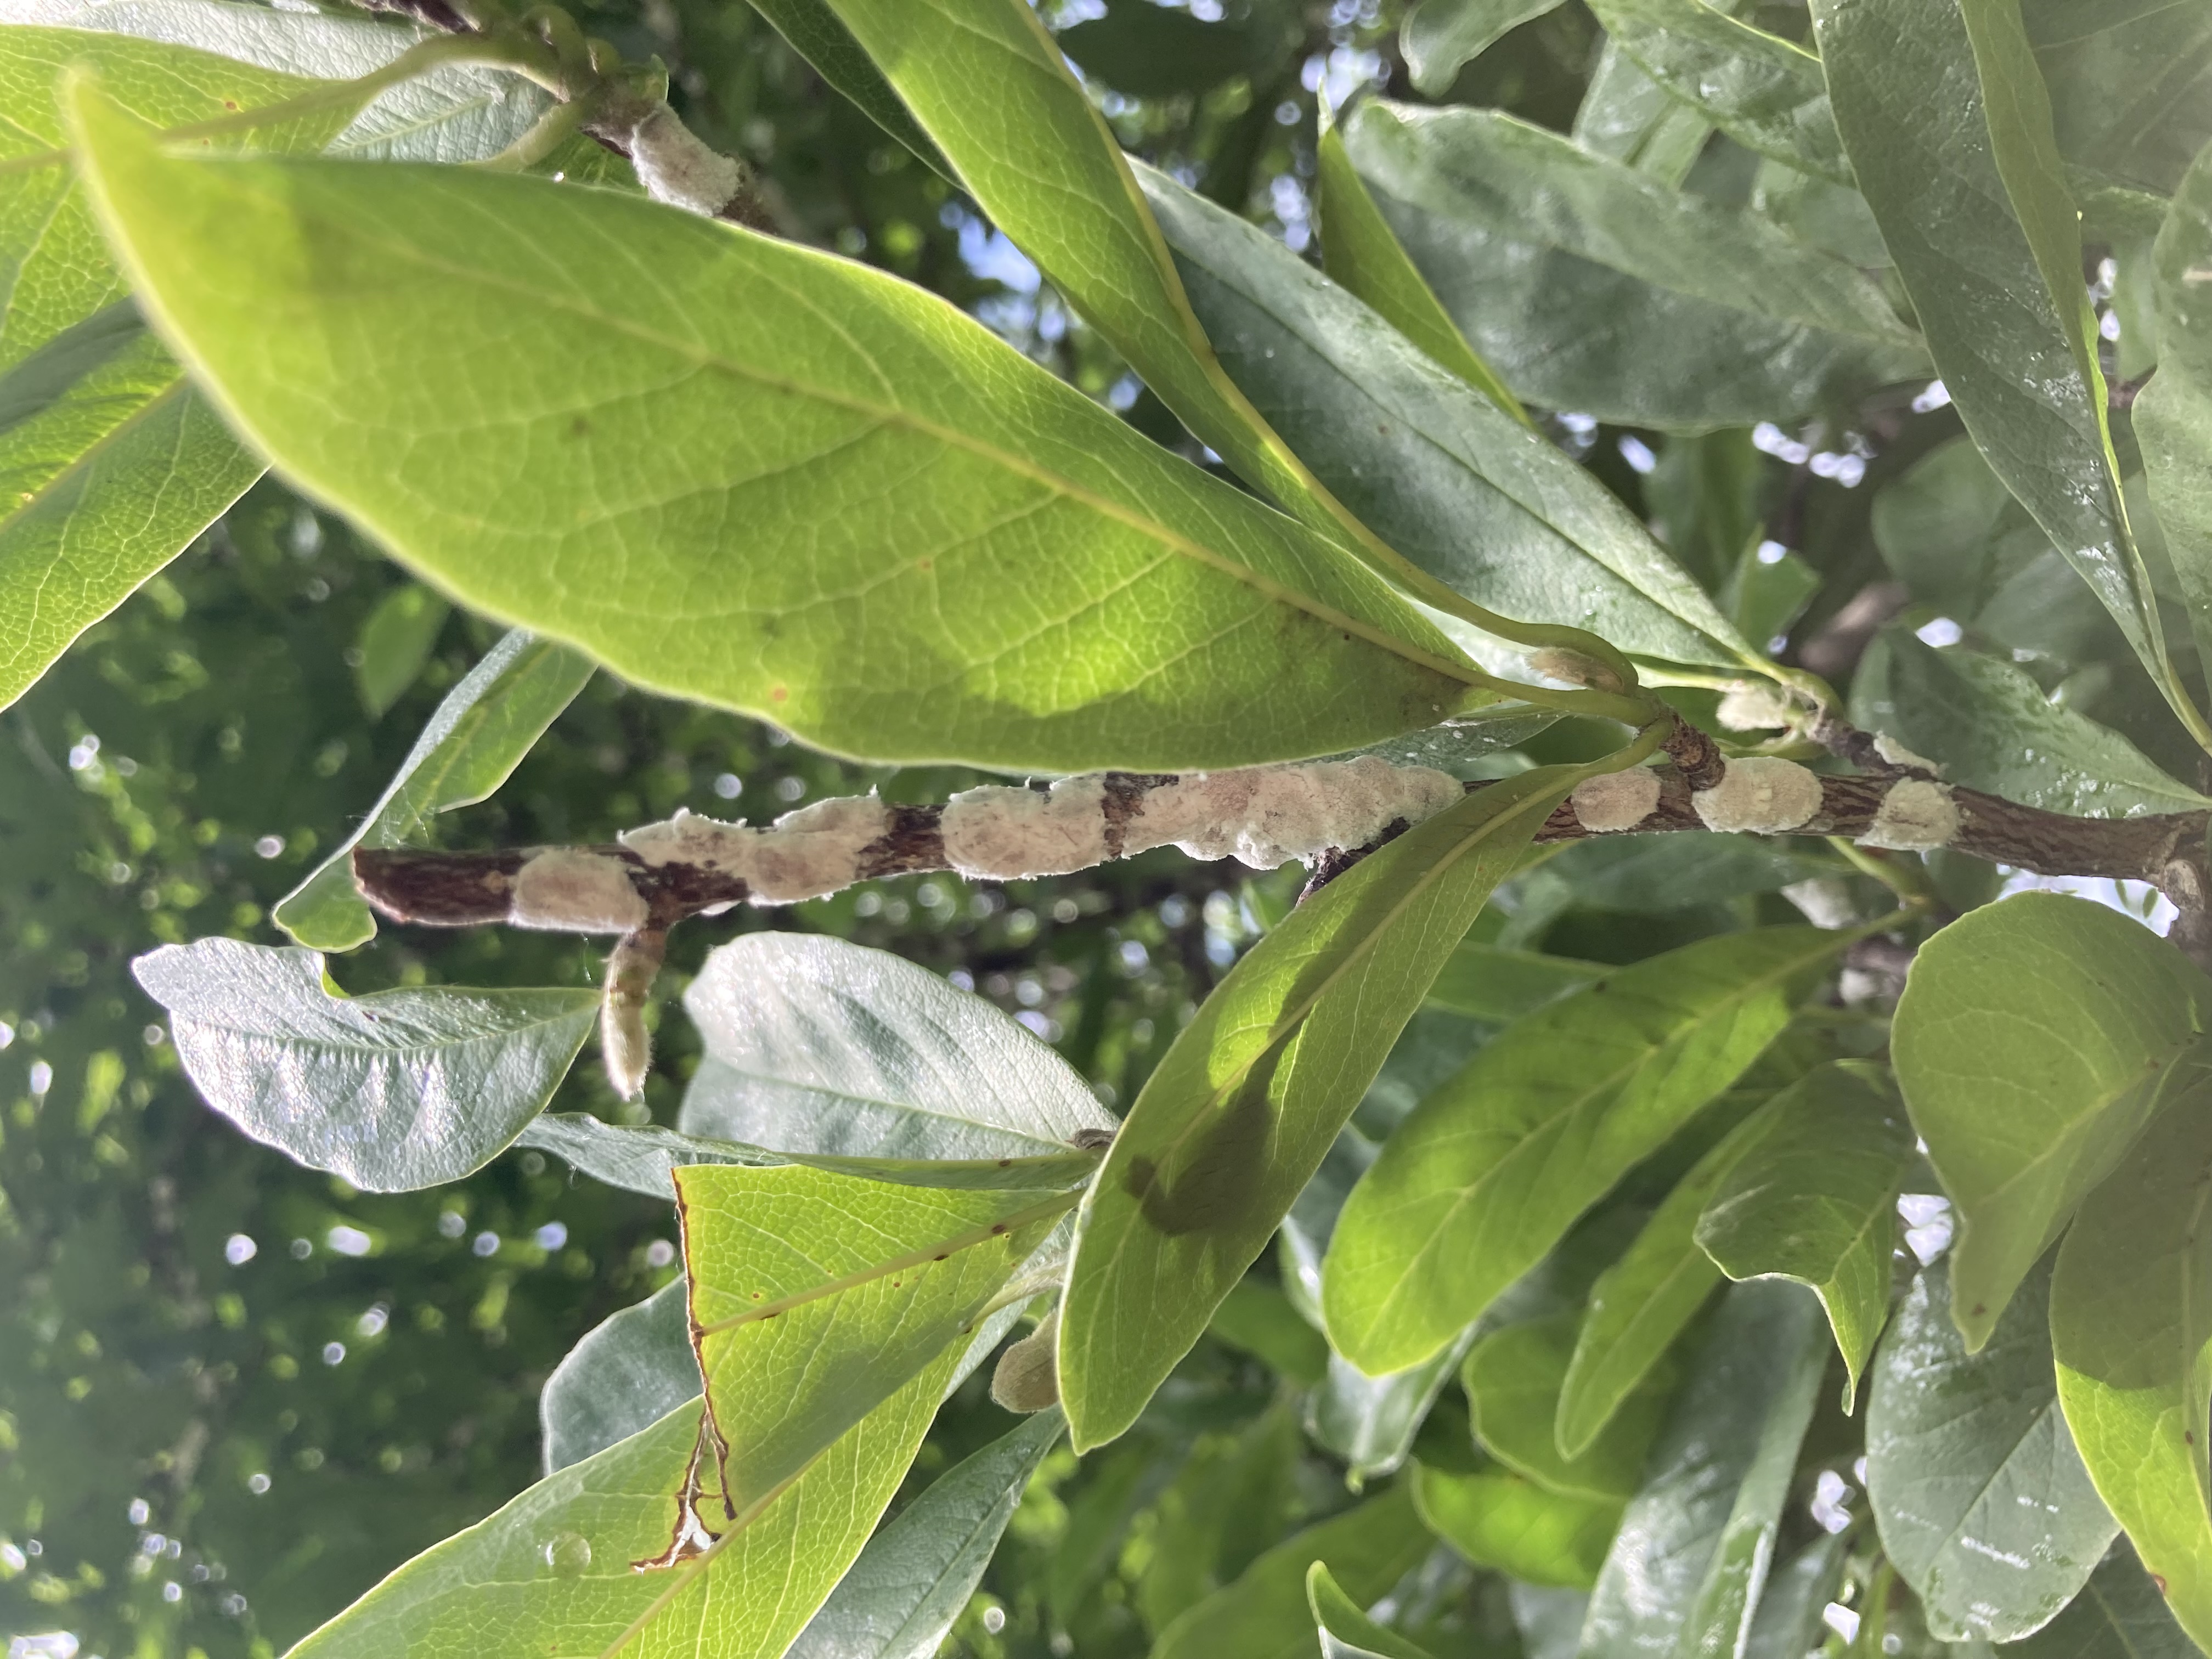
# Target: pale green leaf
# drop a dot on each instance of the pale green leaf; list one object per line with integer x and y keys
{"x": 839, "y": 504}
{"x": 1691, "y": 1558}
{"x": 624, "y": 1376}
{"x": 2131, "y": 1329}
{"x": 1508, "y": 1521}
{"x": 2127, "y": 83}
{"x": 2174, "y": 414}
{"x": 395, "y": 642}
{"x": 1485, "y": 506}
{"x": 1513, "y": 1379}
{"x": 815, "y": 1297}
{"x": 914, "y": 1577}
{"x": 1765, "y": 93}
{"x": 1371, "y": 1421}
{"x": 1263, "y": 1614}
{"x": 816, "y": 1046}
{"x": 1644, "y": 1301}
{"x": 1347, "y": 1631}
{"x": 1490, "y": 982}
{"x": 2119, "y": 1615}
{"x": 393, "y": 1091}
{"x": 1974, "y": 1481}
{"x": 1812, "y": 1198}
{"x": 1988, "y": 725}
{"x": 1240, "y": 1112}
{"x": 1443, "y": 37}
{"x": 2034, "y": 1041}
{"x": 1948, "y": 122}
{"x": 479, "y": 734}
{"x": 1626, "y": 115}
{"x": 1491, "y": 1168}
{"x": 1591, "y": 286}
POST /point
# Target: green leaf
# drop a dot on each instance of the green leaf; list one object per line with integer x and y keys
{"x": 2173, "y": 414}
{"x": 1765, "y": 93}
{"x": 2131, "y": 1329}
{"x": 1371, "y": 1421}
{"x": 1990, "y": 725}
{"x": 110, "y": 465}
{"x": 1259, "y": 1319}
{"x": 1150, "y": 51}
{"x": 853, "y": 471}
{"x": 1975, "y": 1483}
{"x": 1653, "y": 874}
{"x": 1626, "y": 115}
{"x": 473, "y": 743}
{"x": 395, "y": 642}
{"x": 815, "y": 1297}
{"x": 1589, "y": 286}
{"x": 624, "y": 1376}
{"x": 1510, "y": 1522}
{"x": 1263, "y": 1614}
{"x": 1948, "y": 126}
{"x": 393, "y": 1091}
{"x": 2127, "y": 87}
{"x": 1491, "y": 1168}
{"x": 1361, "y": 254}
{"x": 1786, "y": 1624}
{"x": 2119, "y": 1615}
{"x": 1484, "y": 505}
{"x": 552, "y": 1571}
{"x": 1813, "y": 1198}
{"x": 1443, "y": 37}
{"x": 816, "y": 34}
{"x": 1487, "y": 982}
{"x": 2034, "y": 1041}
{"x": 1513, "y": 1379}
{"x": 1239, "y": 1114}
{"x": 1644, "y": 1301}
{"x": 1347, "y": 1632}
{"x": 815, "y": 1045}
{"x": 1691, "y": 1557}
{"x": 914, "y": 1577}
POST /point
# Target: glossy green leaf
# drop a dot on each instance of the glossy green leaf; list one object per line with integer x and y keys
{"x": 1513, "y": 1379}
{"x": 816, "y": 1046}
{"x": 1692, "y": 1555}
{"x": 1464, "y": 491}
{"x": 1443, "y": 37}
{"x": 1488, "y": 982}
{"x": 1812, "y": 1198}
{"x": 395, "y": 642}
{"x": 1786, "y": 1623}
{"x": 552, "y": 1570}
{"x": 109, "y": 464}
{"x": 914, "y": 1577}
{"x": 393, "y": 1091}
{"x": 1947, "y": 122}
{"x": 854, "y": 471}
{"x": 1360, "y": 254}
{"x": 1241, "y": 1111}
{"x": 624, "y": 1376}
{"x": 2119, "y": 1615}
{"x": 1258, "y": 1318}
{"x": 1975, "y": 1483}
{"x": 1990, "y": 725}
{"x": 1644, "y": 1301}
{"x": 1628, "y": 116}
{"x": 1371, "y": 1421}
{"x": 2034, "y": 1041}
{"x": 1589, "y": 286}
{"x": 1346, "y": 1631}
{"x": 1492, "y": 1167}
{"x": 1765, "y": 92}
{"x": 479, "y": 734}
{"x": 1263, "y": 1614}
{"x": 2173, "y": 414}
{"x": 816, "y": 34}
{"x": 1508, "y": 1521}
{"x": 2131, "y": 1330}
{"x": 815, "y": 1297}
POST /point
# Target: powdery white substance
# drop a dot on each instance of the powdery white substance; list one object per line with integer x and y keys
{"x": 676, "y": 166}
{"x": 1914, "y": 815}
{"x": 1897, "y": 754}
{"x": 1266, "y": 815}
{"x": 803, "y": 854}
{"x": 1749, "y": 706}
{"x": 624, "y": 1045}
{"x": 1616, "y": 800}
{"x": 1005, "y": 834}
{"x": 1760, "y": 794}
{"x": 566, "y": 891}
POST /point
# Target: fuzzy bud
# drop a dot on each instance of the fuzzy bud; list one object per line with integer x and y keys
{"x": 1027, "y": 1377}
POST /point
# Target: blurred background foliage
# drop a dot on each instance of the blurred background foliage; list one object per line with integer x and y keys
{"x": 234, "y": 1392}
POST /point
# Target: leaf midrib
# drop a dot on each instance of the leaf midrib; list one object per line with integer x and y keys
{"x": 396, "y": 1050}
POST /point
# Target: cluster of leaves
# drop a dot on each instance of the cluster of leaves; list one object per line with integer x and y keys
{"x": 1634, "y": 1196}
